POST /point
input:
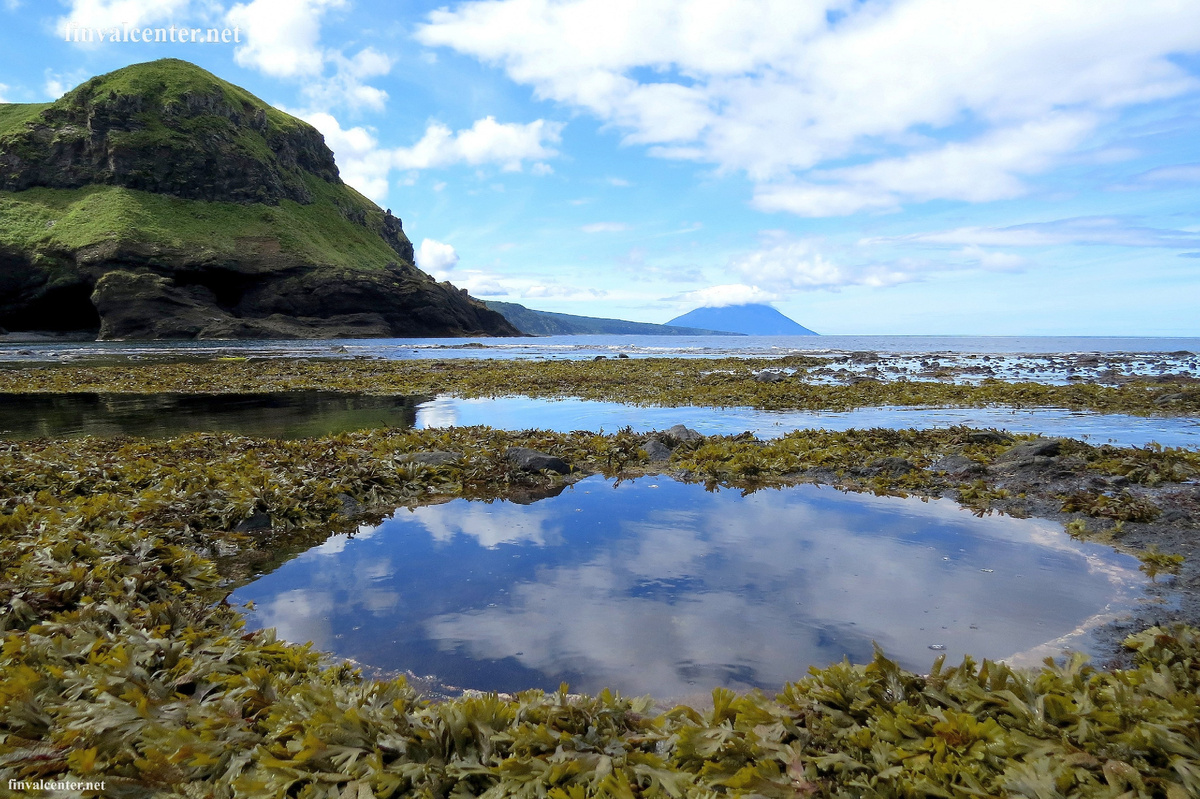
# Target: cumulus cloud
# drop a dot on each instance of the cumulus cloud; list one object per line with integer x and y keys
{"x": 283, "y": 40}
{"x": 282, "y": 36}
{"x": 980, "y": 171}
{"x": 485, "y": 142}
{"x": 366, "y": 165}
{"x": 3, "y": 89}
{"x": 116, "y": 13}
{"x": 785, "y": 265}
{"x": 436, "y": 257}
{"x": 726, "y": 295}
{"x": 362, "y": 162}
{"x": 937, "y": 99}
{"x": 605, "y": 227}
{"x": 347, "y": 85}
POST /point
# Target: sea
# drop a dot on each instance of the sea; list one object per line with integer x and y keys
{"x": 586, "y": 347}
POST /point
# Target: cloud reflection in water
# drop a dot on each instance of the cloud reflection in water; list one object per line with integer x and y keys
{"x": 658, "y": 587}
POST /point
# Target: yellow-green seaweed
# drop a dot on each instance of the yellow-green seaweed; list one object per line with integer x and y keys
{"x": 118, "y": 661}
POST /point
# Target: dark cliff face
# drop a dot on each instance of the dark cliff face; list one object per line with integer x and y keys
{"x": 222, "y": 218}
{"x": 204, "y": 143}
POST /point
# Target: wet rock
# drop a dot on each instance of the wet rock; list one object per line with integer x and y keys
{"x": 894, "y": 466}
{"x": 530, "y": 460}
{"x": 350, "y": 507}
{"x": 259, "y": 520}
{"x": 600, "y": 358}
{"x": 432, "y": 458}
{"x": 1040, "y": 447}
{"x": 657, "y": 450}
{"x": 1167, "y": 399}
{"x": 681, "y": 433}
{"x": 987, "y": 437}
{"x": 958, "y": 466}
{"x": 623, "y": 355}
{"x": 769, "y": 376}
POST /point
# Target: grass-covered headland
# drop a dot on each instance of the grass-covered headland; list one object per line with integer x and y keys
{"x": 119, "y": 661}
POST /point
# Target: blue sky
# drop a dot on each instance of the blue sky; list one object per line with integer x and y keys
{"x": 908, "y": 167}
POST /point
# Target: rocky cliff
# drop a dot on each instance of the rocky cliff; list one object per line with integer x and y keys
{"x": 159, "y": 201}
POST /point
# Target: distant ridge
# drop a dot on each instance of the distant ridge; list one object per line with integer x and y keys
{"x": 751, "y": 320}
{"x": 548, "y": 323}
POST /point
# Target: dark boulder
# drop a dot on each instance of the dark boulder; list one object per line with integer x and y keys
{"x": 657, "y": 451}
{"x": 530, "y": 460}
{"x": 683, "y": 434}
{"x": 1038, "y": 448}
{"x": 959, "y": 467}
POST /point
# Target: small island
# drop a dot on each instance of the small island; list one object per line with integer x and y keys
{"x": 161, "y": 202}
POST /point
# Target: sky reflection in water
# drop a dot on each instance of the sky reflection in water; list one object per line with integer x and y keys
{"x": 653, "y": 586}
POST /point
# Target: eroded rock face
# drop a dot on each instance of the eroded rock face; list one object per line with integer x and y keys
{"x": 307, "y": 303}
{"x": 202, "y": 146}
{"x": 170, "y": 128}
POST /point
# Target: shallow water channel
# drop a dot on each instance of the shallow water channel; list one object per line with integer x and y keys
{"x": 311, "y": 413}
{"x": 654, "y": 586}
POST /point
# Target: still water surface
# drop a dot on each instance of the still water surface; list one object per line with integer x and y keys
{"x": 653, "y": 586}
{"x": 313, "y": 413}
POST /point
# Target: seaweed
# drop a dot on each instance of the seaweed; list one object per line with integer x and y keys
{"x": 722, "y": 382}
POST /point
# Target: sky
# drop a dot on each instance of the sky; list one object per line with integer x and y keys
{"x": 900, "y": 167}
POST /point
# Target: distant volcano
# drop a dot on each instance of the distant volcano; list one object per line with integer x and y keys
{"x": 751, "y": 319}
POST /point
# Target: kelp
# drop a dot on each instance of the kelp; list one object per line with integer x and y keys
{"x": 119, "y": 660}
{"x": 723, "y": 382}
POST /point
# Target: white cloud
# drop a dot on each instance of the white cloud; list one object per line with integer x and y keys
{"x": 346, "y": 86}
{"x": 979, "y": 171}
{"x": 117, "y": 13}
{"x": 726, "y": 295}
{"x": 1095, "y": 230}
{"x": 362, "y": 163}
{"x": 3, "y": 89}
{"x": 282, "y": 36}
{"x": 541, "y": 169}
{"x": 944, "y": 99}
{"x": 485, "y": 142}
{"x": 558, "y": 292}
{"x": 366, "y": 165}
{"x": 436, "y": 257}
{"x": 789, "y": 265}
{"x": 994, "y": 261}
{"x": 605, "y": 227}
{"x": 479, "y": 284}
{"x": 1181, "y": 173}
{"x": 57, "y": 83}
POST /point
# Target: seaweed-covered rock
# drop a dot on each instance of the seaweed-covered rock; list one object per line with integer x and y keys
{"x": 433, "y": 458}
{"x": 1038, "y": 448}
{"x": 530, "y": 460}
{"x": 683, "y": 433}
{"x": 657, "y": 451}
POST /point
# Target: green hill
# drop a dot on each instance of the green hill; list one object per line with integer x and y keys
{"x": 159, "y": 201}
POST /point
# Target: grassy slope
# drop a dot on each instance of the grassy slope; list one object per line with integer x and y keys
{"x": 167, "y": 82}
{"x": 45, "y": 222}
{"x": 14, "y": 116}
{"x": 216, "y": 231}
